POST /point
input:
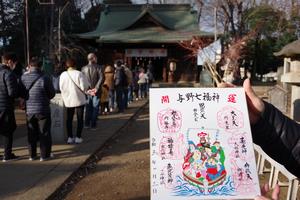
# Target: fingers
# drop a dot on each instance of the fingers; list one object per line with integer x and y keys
{"x": 265, "y": 189}
{"x": 276, "y": 192}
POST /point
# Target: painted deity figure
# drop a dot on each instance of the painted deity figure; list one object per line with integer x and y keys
{"x": 218, "y": 152}
{"x": 188, "y": 158}
{"x": 214, "y": 169}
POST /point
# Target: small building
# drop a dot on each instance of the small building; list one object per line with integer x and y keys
{"x": 291, "y": 74}
{"x": 139, "y": 34}
{"x": 291, "y": 67}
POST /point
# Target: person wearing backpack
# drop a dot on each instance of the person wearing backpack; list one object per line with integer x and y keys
{"x": 37, "y": 90}
{"x": 120, "y": 86}
{"x": 8, "y": 92}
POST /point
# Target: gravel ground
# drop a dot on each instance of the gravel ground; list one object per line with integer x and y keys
{"x": 123, "y": 171}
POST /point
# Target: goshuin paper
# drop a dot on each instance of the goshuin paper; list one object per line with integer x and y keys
{"x": 201, "y": 145}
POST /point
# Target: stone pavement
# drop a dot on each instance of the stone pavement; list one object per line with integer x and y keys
{"x": 34, "y": 180}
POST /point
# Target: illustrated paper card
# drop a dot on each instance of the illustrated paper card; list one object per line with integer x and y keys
{"x": 201, "y": 145}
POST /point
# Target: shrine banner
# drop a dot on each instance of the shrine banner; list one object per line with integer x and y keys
{"x": 201, "y": 145}
{"x": 145, "y": 52}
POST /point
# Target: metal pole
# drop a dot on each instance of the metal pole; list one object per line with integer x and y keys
{"x": 27, "y": 32}
{"x": 215, "y": 22}
{"x": 59, "y": 35}
{"x": 60, "y": 12}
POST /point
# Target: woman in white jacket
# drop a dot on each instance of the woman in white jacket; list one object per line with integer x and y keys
{"x": 73, "y": 86}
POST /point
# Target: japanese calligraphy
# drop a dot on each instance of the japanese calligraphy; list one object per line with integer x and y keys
{"x": 165, "y": 99}
{"x": 232, "y": 98}
{"x": 169, "y": 121}
{"x": 191, "y": 97}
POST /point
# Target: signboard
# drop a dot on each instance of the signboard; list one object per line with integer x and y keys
{"x": 201, "y": 145}
{"x": 57, "y": 119}
{"x": 145, "y": 52}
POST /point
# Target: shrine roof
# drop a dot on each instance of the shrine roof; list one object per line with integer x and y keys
{"x": 146, "y": 23}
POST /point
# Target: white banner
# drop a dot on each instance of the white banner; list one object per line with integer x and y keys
{"x": 211, "y": 53}
{"x": 146, "y": 52}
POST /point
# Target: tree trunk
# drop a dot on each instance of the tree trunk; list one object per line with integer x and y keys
{"x": 51, "y": 45}
{"x": 3, "y": 24}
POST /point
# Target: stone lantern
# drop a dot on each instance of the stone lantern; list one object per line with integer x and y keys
{"x": 291, "y": 74}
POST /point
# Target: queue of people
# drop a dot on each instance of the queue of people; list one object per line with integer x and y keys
{"x": 92, "y": 91}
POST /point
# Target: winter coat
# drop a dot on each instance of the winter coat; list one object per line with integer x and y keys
{"x": 143, "y": 78}
{"x": 128, "y": 75}
{"x": 71, "y": 94}
{"x": 94, "y": 74}
{"x": 8, "y": 88}
{"x": 279, "y": 137}
{"x": 120, "y": 77}
{"x": 109, "y": 77}
{"x": 104, "y": 95}
{"x": 38, "y": 97}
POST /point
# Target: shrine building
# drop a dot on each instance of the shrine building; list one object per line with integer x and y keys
{"x": 142, "y": 33}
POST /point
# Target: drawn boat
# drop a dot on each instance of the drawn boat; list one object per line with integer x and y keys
{"x": 201, "y": 185}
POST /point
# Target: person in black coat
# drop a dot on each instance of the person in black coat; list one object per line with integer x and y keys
{"x": 278, "y": 135}
{"x": 8, "y": 92}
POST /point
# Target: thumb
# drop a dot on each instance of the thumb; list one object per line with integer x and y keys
{"x": 276, "y": 192}
{"x": 255, "y": 104}
{"x": 248, "y": 89}
{"x": 265, "y": 189}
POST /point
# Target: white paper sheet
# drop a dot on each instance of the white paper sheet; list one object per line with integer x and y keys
{"x": 201, "y": 145}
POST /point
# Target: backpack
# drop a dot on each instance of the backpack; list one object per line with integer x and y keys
{"x": 122, "y": 78}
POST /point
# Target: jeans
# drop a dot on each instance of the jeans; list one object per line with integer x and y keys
{"x": 130, "y": 93}
{"x": 70, "y": 114}
{"x": 143, "y": 90}
{"x": 39, "y": 129}
{"x": 111, "y": 98}
{"x": 91, "y": 111}
{"x": 120, "y": 98}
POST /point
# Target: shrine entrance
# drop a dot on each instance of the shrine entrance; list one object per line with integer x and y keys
{"x": 144, "y": 58}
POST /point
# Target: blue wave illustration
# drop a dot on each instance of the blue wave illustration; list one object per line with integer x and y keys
{"x": 183, "y": 188}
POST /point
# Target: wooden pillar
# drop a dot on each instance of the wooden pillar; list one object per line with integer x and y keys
{"x": 165, "y": 75}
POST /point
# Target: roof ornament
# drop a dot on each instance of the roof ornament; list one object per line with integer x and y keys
{"x": 106, "y": 9}
{"x": 147, "y": 6}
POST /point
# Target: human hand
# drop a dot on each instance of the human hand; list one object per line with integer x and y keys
{"x": 255, "y": 105}
{"x": 22, "y": 104}
{"x": 265, "y": 189}
{"x": 94, "y": 91}
{"x": 91, "y": 92}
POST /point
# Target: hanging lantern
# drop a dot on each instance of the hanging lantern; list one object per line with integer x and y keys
{"x": 172, "y": 66}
